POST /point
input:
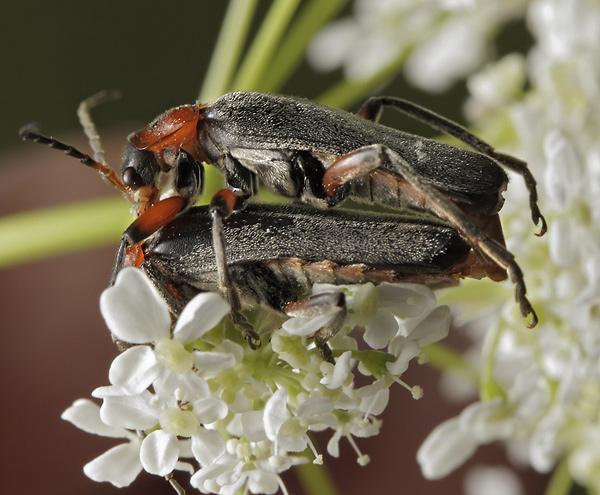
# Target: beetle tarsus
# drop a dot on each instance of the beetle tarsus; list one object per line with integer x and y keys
{"x": 537, "y": 218}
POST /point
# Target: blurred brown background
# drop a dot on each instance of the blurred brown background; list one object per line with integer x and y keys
{"x": 55, "y": 347}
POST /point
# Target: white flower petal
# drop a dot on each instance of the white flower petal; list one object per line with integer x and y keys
{"x": 85, "y": 414}
{"x": 333, "y": 446}
{"x": 306, "y": 326}
{"x": 159, "y": 453}
{"x": 377, "y": 403}
{"x": 446, "y": 448}
{"x": 454, "y": 51}
{"x": 433, "y": 327}
{"x": 119, "y": 465}
{"x": 200, "y": 315}
{"x": 338, "y": 375}
{"x": 254, "y": 426}
{"x": 208, "y": 446}
{"x": 564, "y": 243}
{"x": 133, "y": 412}
{"x": 135, "y": 369}
{"x": 406, "y": 300}
{"x": 405, "y": 352}
{"x": 263, "y": 482}
{"x": 184, "y": 466}
{"x": 192, "y": 386}
{"x": 109, "y": 391}
{"x": 210, "y": 409}
{"x": 225, "y": 471}
{"x": 211, "y": 363}
{"x": 329, "y": 48}
{"x": 498, "y": 480}
{"x": 480, "y": 419}
{"x": 563, "y": 175}
{"x": 318, "y": 405}
{"x": 545, "y": 449}
{"x": 379, "y": 332}
{"x": 276, "y": 413}
{"x": 133, "y": 310}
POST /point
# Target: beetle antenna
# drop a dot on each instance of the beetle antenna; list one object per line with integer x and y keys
{"x": 30, "y": 132}
{"x": 83, "y": 112}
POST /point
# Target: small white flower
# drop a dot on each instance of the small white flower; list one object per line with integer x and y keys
{"x": 241, "y": 415}
{"x": 161, "y": 449}
{"x": 135, "y": 313}
{"x": 385, "y": 312}
{"x": 119, "y": 465}
{"x": 244, "y": 464}
{"x": 444, "y": 40}
{"x": 451, "y": 443}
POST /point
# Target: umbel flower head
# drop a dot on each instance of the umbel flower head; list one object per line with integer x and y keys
{"x": 192, "y": 396}
{"x": 540, "y": 393}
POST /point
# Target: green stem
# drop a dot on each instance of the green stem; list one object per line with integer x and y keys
{"x": 228, "y": 49}
{"x": 347, "y": 92}
{"x": 268, "y": 37}
{"x": 446, "y": 359}
{"x": 561, "y": 481}
{"x": 293, "y": 47}
{"x": 315, "y": 479}
{"x": 62, "y": 229}
{"x": 489, "y": 388}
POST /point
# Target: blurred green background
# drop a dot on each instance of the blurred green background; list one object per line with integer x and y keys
{"x": 56, "y": 54}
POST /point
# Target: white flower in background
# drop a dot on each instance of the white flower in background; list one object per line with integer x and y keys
{"x": 237, "y": 417}
{"x": 492, "y": 481}
{"x": 442, "y": 41}
{"x": 545, "y": 382}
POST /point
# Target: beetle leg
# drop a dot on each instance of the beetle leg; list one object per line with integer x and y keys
{"x": 320, "y": 304}
{"x": 373, "y": 108}
{"x": 368, "y": 158}
{"x": 188, "y": 176}
{"x": 221, "y": 206}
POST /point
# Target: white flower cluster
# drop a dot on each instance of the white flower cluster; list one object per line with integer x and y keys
{"x": 437, "y": 42}
{"x": 542, "y": 387}
{"x": 188, "y": 398}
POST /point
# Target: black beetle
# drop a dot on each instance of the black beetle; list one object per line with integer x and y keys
{"x": 319, "y": 155}
{"x": 276, "y": 253}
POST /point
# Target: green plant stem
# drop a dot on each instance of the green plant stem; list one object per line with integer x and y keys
{"x": 228, "y": 49}
{"x": 316, "y": 480}
{"x": 489, "y": 388}
{"x": 290, "y": 53}
{"x": 561, "y": 481}
{"x": 38, "y": 234}
{"x": 264, "y": 45}
{"x": 446, "y": 359}
{"x": 347, "y": 92}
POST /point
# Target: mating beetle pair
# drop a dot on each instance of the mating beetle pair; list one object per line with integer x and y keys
{"x": 320, "y": 156}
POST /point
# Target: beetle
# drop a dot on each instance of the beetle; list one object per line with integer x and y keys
{"x": 321, "y": 155}
{"x": 275, "y": 253}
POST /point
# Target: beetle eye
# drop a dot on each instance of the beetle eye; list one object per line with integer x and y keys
{"x": 132, "y": 179}
{"x": 139, "y": 167}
